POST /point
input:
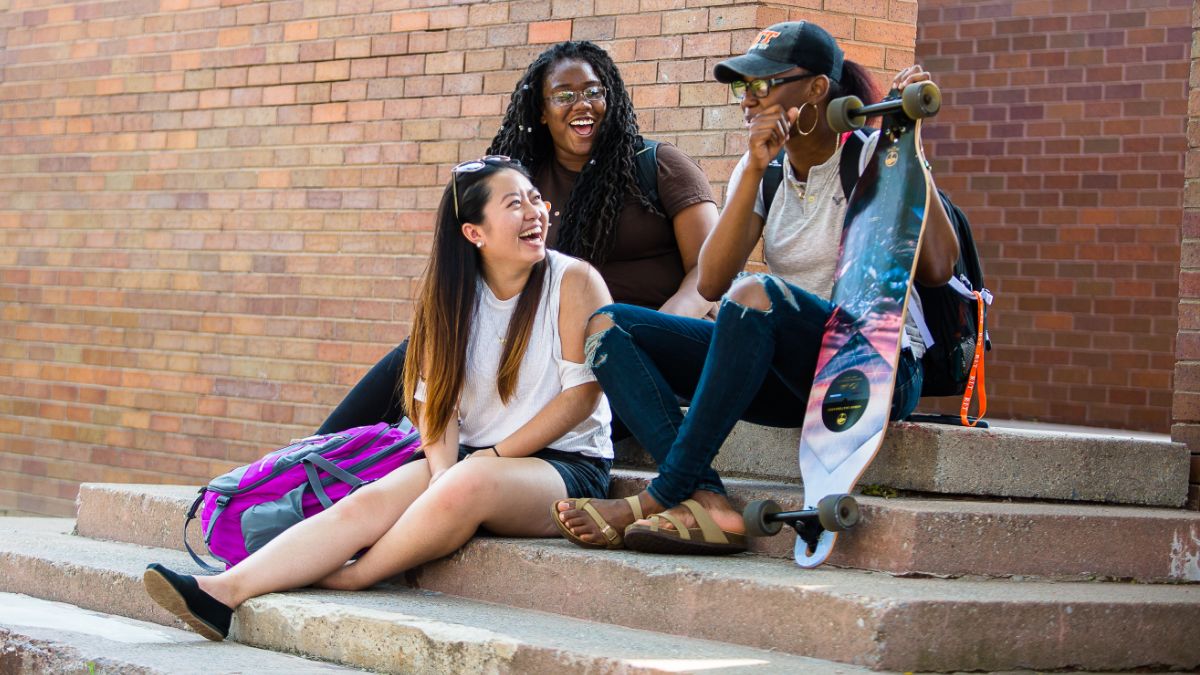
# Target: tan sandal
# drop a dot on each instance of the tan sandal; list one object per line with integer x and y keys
{"x": 613, "y": 537}
{"x": 707, "y": 539}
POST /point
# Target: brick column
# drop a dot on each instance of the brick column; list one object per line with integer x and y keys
{"x": 1186, "y": 410}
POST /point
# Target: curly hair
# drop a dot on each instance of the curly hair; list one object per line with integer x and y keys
{"x": 591, "y": 212}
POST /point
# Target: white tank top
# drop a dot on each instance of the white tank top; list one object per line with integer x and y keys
{"x": 483, "y": 419}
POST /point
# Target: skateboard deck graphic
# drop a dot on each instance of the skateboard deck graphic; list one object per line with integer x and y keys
{"x": 850, "y": 400}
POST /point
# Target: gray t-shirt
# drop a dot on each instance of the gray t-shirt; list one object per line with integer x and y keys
{"x": 803, "y": 230}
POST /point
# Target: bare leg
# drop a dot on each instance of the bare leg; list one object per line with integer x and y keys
{"x": 506, "y": 495}
{"x": 315, "y": 547}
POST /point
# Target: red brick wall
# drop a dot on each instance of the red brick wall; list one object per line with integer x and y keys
{"x": 1187, "y": 368}
{"x": 1062, "y": 136}
{"x": 212, "y": 211}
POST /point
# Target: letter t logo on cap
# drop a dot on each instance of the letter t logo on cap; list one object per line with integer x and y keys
{"x": 764, "y": 38}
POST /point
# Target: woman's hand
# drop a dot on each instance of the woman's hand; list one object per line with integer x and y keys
{"x": 769, "y": 130}
{"x": 910, "y": 75}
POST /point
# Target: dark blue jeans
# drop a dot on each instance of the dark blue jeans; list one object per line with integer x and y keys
{"x": 747, "y": 365}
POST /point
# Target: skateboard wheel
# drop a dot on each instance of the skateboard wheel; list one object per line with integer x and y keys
{"x": 755, "y": 518}
{"x": 921, "y": 100}
{"x": 841, "y": 114}
{"x": 837, "y": 512}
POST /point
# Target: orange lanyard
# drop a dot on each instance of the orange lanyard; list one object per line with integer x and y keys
{"x": 976, "y": 368}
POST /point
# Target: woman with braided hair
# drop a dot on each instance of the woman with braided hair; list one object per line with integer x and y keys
{"x": 571, "y": 123}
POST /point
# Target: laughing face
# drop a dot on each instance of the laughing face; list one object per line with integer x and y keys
{"x": 573, "y": 127}
{"x": 515, "y": 220}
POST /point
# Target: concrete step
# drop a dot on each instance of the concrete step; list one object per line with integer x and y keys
{"x": 999, "y": 462}
{"x": 868, "y": 619}
{"x": 388, "y": 629}
{"x": 864, "y": 618}
{"x": 38, "y": 636}
{"x": 903, "y": 536}
{"x": 949, "y": 538}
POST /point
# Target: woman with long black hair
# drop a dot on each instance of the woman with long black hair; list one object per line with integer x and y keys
{"x": 511, "y": 418}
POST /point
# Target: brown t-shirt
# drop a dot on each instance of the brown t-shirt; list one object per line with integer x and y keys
{"x": 645, "y": 267}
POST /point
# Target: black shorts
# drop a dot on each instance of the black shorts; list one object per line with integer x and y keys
{"x": 584, "y": 476}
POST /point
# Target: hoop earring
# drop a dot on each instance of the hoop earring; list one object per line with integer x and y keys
{"x": 816, "y": 119}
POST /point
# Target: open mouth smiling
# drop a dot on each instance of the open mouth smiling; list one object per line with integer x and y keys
{"x": 531, "y": 235}
{"x": 584, "y": 126}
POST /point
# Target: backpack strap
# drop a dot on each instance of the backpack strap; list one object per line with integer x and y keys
{"x": 646, "y": 167}
{"x": 771, "y": 180}
{"x": 311, "y": 462}
{"x": 853, "y": 144}
{"x": 191, "y": 515}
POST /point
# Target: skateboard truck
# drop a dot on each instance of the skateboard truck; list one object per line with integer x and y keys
{"x": 834, "y": 513}
{"x": 917, "y": 101}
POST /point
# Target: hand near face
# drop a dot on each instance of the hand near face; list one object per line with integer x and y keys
{"x": 769, "y": 130}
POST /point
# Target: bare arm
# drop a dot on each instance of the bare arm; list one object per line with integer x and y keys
{"x": 939, "y": 245}
{"x": 692, "y": 226}
{"x": 442, "y": 453}
{"x": 727, "y": 249}
{"x": 583, "y": 292}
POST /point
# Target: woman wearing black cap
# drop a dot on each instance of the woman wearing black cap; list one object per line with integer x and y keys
{"x": 757, "y": 361}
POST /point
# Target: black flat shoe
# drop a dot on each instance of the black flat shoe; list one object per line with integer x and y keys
{"x": 180, "y": 595}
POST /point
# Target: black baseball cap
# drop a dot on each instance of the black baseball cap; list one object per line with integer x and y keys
{"x": 782, "y": 47}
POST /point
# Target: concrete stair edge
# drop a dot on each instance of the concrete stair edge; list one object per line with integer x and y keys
{"x": 868, "y": 619}
{"x": 996, "y": 462}
{"x": 393, "y": 630}
{"x": 83, "y": 641}
{"x": 898, "y": 536}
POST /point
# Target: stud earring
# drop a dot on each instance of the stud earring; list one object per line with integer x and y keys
{"x": 479, "y": 244}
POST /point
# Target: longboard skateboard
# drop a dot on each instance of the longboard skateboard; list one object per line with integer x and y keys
{"x": 850, "y": 400}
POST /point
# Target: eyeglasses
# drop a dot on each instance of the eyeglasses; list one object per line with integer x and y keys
{"x": 568, "y": 98}
{"x": 471, "y": 166}
{"x": 762, "y": 88}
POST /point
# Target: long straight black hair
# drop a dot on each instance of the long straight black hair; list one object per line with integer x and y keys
{"x": 446, "y": 305}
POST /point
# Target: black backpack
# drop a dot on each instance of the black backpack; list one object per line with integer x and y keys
{"x": 646, "y": 161}
{"x": 951, "y": 312}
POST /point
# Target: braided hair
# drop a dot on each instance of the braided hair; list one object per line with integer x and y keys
{"x": 591, "y": 212}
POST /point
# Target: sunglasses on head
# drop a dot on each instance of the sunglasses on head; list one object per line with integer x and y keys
{"x": 473, "y": 165}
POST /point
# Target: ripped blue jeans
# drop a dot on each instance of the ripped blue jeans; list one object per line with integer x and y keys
{"x": 747, "y": 365}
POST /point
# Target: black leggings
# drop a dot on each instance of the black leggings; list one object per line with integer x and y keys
{"x": 376, "y": 398}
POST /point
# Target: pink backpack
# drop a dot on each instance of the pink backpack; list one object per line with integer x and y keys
{"x": 251, "y": 505}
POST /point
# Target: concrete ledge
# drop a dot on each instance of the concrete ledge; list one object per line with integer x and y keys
{"x": 387, "y": 629}
{"x": 37, "y": 636}
{"x": 995, "y": 539}
{"x": 899, "y": 536}
{"x": 987, "y": 462}
{"x": 868, "y": 619}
